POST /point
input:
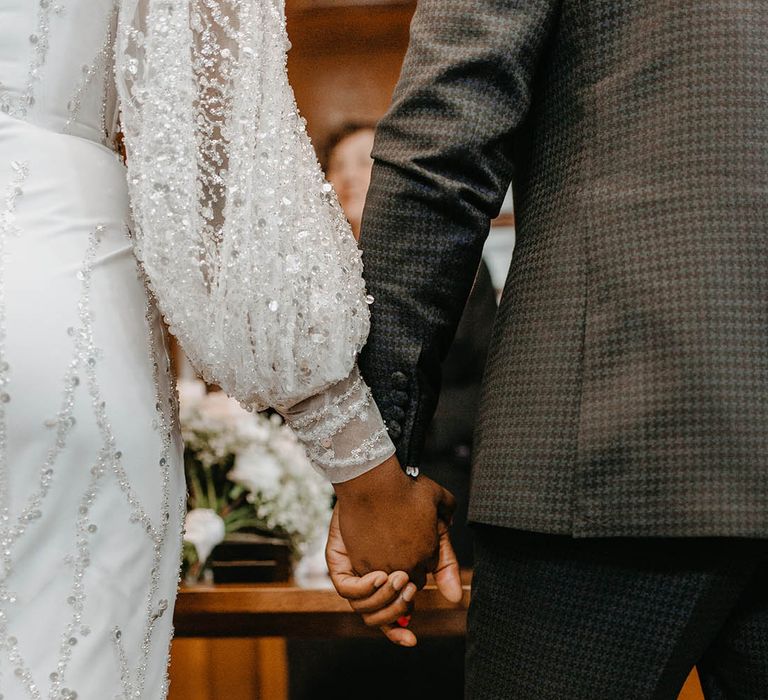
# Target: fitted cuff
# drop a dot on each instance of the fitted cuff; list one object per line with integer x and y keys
{"x": 342, "y": 430}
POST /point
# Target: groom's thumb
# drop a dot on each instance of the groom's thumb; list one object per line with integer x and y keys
{"x": 447, "y": 575}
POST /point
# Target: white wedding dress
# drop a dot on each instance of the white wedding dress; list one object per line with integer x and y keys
{"x": 242, "y": 244}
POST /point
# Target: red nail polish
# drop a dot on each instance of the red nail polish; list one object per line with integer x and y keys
{"x": 404, "y": 621}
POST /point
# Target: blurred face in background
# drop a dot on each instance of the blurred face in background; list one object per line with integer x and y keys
{"x": 349, "y": 171}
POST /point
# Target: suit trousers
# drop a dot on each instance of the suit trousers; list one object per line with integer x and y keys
{"x": 554, "y": 617}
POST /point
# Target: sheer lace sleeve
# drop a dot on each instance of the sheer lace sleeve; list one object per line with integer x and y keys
{"x": 342, "y": 429}
{"x": 243, "y": 242}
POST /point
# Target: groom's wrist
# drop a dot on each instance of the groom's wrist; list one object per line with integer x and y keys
{"x": 376, "y": 485}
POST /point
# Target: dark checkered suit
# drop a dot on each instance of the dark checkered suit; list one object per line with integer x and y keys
{"x": 627, "y": 385}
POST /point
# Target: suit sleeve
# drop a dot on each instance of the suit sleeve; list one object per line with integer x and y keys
{"x": 443, "y": 162}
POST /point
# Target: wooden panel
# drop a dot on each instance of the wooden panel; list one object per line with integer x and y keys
{"x": 241, "y": 610}
{"x": 345, "y": 62}
{"x": 287, "y": 598}
{"x": 229, "y": 669}
{"x": 348, "y": 29}
{"x": 295, "y": 6}
{"x": 692, "y": 688}
{"x": 272, "y": 670}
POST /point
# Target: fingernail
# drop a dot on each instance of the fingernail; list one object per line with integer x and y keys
{"x": 409, "y": 592}
{"x": 380, "y": 580}
{"x": 399, "y": 580}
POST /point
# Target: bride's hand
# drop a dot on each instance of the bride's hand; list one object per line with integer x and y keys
{"x": 380, "y": 599}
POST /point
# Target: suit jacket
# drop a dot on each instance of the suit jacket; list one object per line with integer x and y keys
{"x": 448, "y": 444}
{"x": 626, "y": 392}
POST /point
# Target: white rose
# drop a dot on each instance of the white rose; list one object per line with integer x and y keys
{"x": 257, "y": 469}
{"x": 255, "y": 429}
{"x": 204, "y": 529}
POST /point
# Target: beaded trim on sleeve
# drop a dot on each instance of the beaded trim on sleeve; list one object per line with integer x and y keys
{"x": 314, "y": 416}
{"x": 342, "y": 430}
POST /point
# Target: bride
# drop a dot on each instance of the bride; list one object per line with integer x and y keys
{"x": 224, "y": 219}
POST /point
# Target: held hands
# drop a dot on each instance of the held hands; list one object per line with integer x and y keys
{"x": 385, "y": 521}
{"x": 378, "y": 598}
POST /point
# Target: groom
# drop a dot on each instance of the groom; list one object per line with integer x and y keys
{"x": 620, "y": 484}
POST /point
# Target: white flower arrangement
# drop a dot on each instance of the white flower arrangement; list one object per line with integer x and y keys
{"x": 245, "y": 471}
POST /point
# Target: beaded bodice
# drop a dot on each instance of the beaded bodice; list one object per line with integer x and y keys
{"x": 57, "y": 71}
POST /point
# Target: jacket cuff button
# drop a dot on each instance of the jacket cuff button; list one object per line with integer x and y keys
{"x": 399, "y": 380}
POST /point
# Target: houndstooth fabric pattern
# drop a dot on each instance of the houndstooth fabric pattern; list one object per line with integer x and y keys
{"x": 554, "y": 617}
{"x": 626, "y": 392}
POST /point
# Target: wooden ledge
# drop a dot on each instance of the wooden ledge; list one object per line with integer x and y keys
{"x": 285, "y": 610}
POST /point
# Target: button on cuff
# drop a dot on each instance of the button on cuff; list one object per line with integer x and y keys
{"x": 399, "y": 380}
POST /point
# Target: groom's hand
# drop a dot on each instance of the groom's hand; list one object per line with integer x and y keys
{"x": 391, "y": 522}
